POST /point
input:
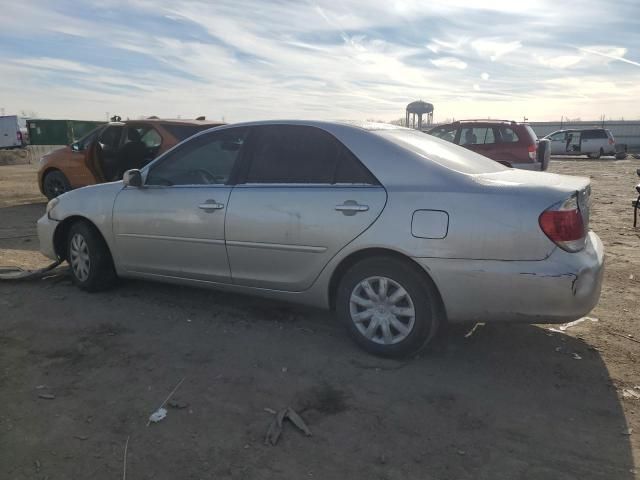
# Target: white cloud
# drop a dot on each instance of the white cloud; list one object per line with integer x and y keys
{"x": 612, "y": 53}
{"x": 449, "y": 62}
{"x": 252, "y": 59}
{"x": 494, "y": 47}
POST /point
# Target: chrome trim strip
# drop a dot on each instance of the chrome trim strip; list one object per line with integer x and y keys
{"x": 212, "y": 241}
{"x": 277, "y": 246}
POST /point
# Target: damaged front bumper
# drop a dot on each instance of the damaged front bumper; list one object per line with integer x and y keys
{"x": 563, "y": 287}
{"x": 46, "y": 231}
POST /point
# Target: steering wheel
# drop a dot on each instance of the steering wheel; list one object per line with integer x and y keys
{"x": 205, "y": 176}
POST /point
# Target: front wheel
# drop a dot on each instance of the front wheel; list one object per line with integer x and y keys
{"x": 89, "y": 257}
{"x": 54, "y": 184}
{"x": 388, "y": 307}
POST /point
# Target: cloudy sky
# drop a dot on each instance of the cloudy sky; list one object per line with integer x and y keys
{"x": 347, "y": 59}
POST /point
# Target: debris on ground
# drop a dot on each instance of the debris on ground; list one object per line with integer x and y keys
{"x": 161, "y": 412}
{"x": 471, "y": 332}
{"x": 46, "y": 396}
{"x": 627, "y": 431}
{"x": 275, "y": 428}
{"x": 17, "y": 273}
{"x": 631, "y": 392}
{"x": 565, "y": 326}
{"x": 177, "y": 404}
{"x": 158, "y": 415}
{"x": 576, "y": 356}
{"x": 124, "y": 461}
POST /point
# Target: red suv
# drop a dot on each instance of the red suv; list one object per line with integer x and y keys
{"x": 510, "y": 143}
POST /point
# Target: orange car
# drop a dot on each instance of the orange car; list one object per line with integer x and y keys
{"x": 106, "y": 152}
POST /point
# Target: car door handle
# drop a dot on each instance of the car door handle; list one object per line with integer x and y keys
{"x": 211, "y": 205}
{"x": 351, "y": 207}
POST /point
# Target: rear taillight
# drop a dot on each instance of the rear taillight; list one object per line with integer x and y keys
{"x": 532, "y": 151}
{"x": 564, "y": 225}
{"x": 611, "y": 141}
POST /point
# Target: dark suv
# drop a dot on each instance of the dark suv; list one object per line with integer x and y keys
{"x": 510, "y": 143}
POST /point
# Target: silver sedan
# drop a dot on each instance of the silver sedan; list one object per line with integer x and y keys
{"x": 395, "y": 230}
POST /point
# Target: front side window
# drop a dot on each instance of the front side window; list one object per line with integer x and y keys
{"x": 477, "y": 136}
{"x": 110, "y": 137}
{"x": 205, "y": 160}
{"x": 85, "y": 141}
{"x": 556, "y": 137}
{"x": 302, "y": 154}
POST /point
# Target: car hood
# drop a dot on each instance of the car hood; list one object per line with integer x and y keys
{"x": 94, "y": 202}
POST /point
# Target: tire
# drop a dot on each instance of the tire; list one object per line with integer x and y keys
{"x": 89, "y": 258}
{"x": 421, "y": 298}
{"x": 595, "y": 156}
{"x": 54, "y": 184}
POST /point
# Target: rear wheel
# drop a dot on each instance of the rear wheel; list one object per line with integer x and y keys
{"x": 388, "y": 307}
{"x": 55, "y": 184}
{"x": 89, "y": 257}
{"x": 595, "y": 156}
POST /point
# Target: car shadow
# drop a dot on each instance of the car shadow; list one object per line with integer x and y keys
{"x": 18, "y": 226}
{"x": 509, "y": 401}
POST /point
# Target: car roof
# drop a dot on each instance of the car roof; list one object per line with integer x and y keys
{"x": 169, "y": 121}
{"x": 585, "y": 129}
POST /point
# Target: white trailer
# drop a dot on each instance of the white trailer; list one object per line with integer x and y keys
{"x": 10, "y": 134}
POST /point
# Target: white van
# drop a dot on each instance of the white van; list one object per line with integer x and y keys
{"x": 593, "y": 142}
{"x": 10, "y": 134}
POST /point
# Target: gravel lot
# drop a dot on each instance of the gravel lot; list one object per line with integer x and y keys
{"x": 510, "y": 402}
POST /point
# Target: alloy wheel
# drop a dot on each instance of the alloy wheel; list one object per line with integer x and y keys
{"x": 382, "y": 310}
{"x": 80, "y": 260}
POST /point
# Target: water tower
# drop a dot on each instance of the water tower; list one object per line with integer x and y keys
{"x": 418, "y": 109}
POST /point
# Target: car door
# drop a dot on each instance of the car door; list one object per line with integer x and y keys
{"x": 303, "y": 197}
{"x": 593, "y": 141}
{"x": 558, "y": 143}
{"x": 173, "y": 226}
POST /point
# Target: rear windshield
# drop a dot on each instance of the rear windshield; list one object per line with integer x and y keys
{"x": 442, "y": 152}
{"x": 534, "y": 137}
{"x": 182, "y": 132}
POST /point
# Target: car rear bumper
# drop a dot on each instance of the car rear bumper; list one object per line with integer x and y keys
{"x": 563, "y": 287}
{"x": 46, "y": 231}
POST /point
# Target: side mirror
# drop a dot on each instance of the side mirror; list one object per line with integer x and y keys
{"x": 75, "y": 147}
{"x": 638, "y": 172}
{"x": 132, "y": 178}
{"x": 638, "y": 188}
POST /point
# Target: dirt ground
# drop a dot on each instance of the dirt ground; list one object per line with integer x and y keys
{"x": 509, "y": 402}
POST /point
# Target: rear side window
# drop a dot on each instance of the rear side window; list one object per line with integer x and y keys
{"x": 182, "y": 132}
{"x": 447, "y": 133}
{"x": 508, "y": 135}
{"x": 594, "y": 134}
{"x": 301, "y": 154}
{"x": 477, "y": 136}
